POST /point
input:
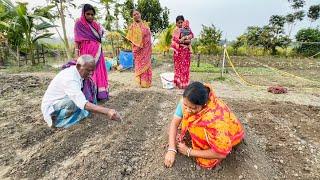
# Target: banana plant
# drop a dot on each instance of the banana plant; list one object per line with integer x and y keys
{"x": 28, "y": 27}
{"x": 165, "y": 37}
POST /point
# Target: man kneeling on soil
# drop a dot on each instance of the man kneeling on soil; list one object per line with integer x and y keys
{"x": 64, "y": 104}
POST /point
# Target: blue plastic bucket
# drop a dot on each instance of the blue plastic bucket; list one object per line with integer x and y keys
{"x": 126, "y": 59}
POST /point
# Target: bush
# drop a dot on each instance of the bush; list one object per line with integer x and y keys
{"x": 305, "y": 36}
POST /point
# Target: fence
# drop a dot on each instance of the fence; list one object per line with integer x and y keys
{"x": 20, "y": 58}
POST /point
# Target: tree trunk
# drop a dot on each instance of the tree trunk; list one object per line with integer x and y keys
{"x": 273, "y": 51}
{"x": 18, "y": 56}
{"x": 198, "y": 61}
{"x": 2, "y": 58}
{"x": 63, "y": 24}
{"x": 291, "y": 28}
{"x": 112, "y": 45}
{"x": 33, "y": 62}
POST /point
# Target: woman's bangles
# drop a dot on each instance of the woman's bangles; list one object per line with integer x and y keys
{"x": 173, "y": 150}
{"x": 188, "y": 152}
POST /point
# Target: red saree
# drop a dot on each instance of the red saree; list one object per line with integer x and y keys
{"x": 181, "y": 59}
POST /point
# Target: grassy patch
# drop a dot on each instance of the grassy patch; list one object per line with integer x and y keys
{"x": 219, "y": 79}
{"x": 204, "y": 67}
{"x": 254, "y": 70}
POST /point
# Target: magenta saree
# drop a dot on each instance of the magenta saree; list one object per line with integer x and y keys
{"x": 88, "y": 36}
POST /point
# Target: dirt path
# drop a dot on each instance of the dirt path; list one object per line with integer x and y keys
{"x": 281, "y": 134}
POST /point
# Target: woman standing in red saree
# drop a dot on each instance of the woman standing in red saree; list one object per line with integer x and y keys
{"x": 139, "y": 35}
{"x": 181, "y": 56}
{"x": 88, "y": 35}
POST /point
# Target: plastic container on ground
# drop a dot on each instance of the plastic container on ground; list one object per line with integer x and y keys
{"x": 167, "y": 80}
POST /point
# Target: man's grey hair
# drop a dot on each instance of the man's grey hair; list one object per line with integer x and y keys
{"x": 86, "y": 58}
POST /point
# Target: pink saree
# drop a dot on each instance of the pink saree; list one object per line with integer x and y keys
{"x": 88, "y": 36}
{"x": 181, "y": 59}
{"x": 140, "y": 36}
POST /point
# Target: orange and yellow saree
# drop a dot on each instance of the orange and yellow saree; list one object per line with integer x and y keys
{"x": 215, "y": 127}
{"x": 139, "y": 35}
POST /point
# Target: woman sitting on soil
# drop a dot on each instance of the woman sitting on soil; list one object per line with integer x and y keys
{"x": 213, "y": 128}
{"x": 139, "y": 35}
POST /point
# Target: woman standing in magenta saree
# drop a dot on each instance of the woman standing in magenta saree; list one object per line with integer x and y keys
{"x": 139, "y": 35}
{"x": 88, "y": 35}
{"x": 181, "y": 56}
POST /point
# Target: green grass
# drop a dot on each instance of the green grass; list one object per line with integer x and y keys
{"x": 219, "y": 79}
{"x": 204, "y": 67}
{"x": 254, "y": 70}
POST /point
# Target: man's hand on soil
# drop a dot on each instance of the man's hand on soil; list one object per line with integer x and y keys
{"x": 114, "y": 115}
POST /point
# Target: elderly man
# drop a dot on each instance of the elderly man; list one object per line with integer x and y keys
{"x": 64, "y": 104}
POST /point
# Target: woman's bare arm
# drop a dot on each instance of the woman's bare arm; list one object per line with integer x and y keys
{"x": 173, "y": 131}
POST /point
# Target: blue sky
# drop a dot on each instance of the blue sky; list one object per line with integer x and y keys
{"x": 231, "y": 16}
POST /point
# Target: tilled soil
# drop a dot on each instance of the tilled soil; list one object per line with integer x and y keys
{"x": 282, "y": 139}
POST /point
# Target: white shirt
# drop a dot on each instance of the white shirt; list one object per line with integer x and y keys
{"x": 67, "y": 83}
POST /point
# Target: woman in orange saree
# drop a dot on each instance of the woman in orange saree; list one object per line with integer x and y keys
{"x": 213, "y": 128}
{"x": 139, "y": 35}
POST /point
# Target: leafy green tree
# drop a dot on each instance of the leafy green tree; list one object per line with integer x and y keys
{"x": 269, "y": 37}
{"x": 277, "y": 23}
{"x": 290, "y": 19}
{"x": 309, "y": 39}
{"x": 297, "y": 4}
{"x": 299, "y": 15}
{"x": 241, "y": 41}
{"x": 296, "y": 15}
{"x": 273, "y": 35}
{"x": 127, "y": 9}
{"x": 13, "y": 34}
{"x": 152, "y": 12}
{"x": 210, "y": 36}
{"x": 314, "y": 13}
{"x": 116, "y": 14}
{"x": 253, "y": 35}
{"x": 108, "y": 17}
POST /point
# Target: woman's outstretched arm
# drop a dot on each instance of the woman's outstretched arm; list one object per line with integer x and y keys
{"x": 172, "y": 150}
